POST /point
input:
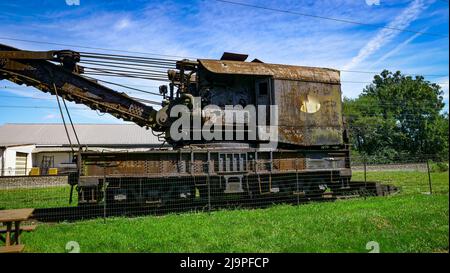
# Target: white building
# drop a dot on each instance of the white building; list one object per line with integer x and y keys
{"x": 23, "y": 146}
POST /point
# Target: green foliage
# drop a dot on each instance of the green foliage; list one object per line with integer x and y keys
{"x": 398, "y": 116}
{"x": 439, "y": 167}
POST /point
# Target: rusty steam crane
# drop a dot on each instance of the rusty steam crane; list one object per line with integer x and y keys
{"x": 311, "y": 156}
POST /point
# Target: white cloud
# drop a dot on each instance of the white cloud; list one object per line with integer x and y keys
{"x": 122, "y": 24}
{"x": 385, "y": 35}
{"x": 397, "y": 49}
{"x": 49, "y": 116}
{"x": 443, "y": 83}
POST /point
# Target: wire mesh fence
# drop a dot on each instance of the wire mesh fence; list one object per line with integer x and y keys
{"x": 207, "y": 186}
{"x": 410, "y": 174}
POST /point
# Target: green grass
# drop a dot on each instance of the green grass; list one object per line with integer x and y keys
{"x": 408, "y": 223}
{"x": 410, "y": 182}
{"x": 57, "y": 196}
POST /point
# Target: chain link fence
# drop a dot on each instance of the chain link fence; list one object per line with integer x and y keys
{"x": 410, "y": 174}
{"x": 211, "y": 186}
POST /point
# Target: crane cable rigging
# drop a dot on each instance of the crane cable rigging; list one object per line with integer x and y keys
{"x": 125, "y": 66}
{"x": 114, "y": 65}
{"x": 64, "y": 121}
{"x": 129, "y": 66}
{"x": 68, "y": 136}
{"x": 62, "y": 117}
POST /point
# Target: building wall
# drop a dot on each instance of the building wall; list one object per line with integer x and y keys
{"x": 9, "y": 158}
{"x": 61, "y": 159}
{"x": 35, "y": 154}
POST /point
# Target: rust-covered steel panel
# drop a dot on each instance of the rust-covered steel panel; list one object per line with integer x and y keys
{"x": 308, "y": 98}
{"x": 276, "y": 71}
{"x": 289, "y": 164}
{"x": 309, "y": 113}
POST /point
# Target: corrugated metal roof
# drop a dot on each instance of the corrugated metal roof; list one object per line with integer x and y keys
{"x": 277, "y": 71}
{"x": 9, "y": 145}
{"x": 89, "y": 134}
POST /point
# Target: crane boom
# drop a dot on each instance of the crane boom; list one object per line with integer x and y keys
{"x": 35, "y": 68}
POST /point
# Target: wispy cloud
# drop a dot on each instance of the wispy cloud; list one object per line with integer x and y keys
{"x": 384, "y": 36}
{"x": 398, "y": 48}
{"x": 122, "y": 24}
{"x": 49, "y": 116}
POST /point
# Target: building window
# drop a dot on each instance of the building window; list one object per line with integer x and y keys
{"x": 263, "y": 88}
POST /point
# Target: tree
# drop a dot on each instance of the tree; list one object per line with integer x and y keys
{"x": 398, "y": 116}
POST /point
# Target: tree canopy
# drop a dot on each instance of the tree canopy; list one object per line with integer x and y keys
{"x": 398, "y": 116}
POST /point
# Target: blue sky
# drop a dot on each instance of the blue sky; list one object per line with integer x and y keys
{"x": 205, "y": 29}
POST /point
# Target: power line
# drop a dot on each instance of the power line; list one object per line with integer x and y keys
{"x": 440, "y": 83}
{"x": 90, "y": 47}
{"x": 406, "y": 74}
{"x": 331, "y": 18}
{"x": 360, "y": 104}
{"x": 384, "y": 104}
{"x": 407, "y": 117}
{"x": 20, "y": 97}
{"x": 39, "y": 107}
{"x": 155, "y": 54}
{"x": 49, "y": 99}
{"x": 159, "y": 103}
{"x": 126, "y": 92}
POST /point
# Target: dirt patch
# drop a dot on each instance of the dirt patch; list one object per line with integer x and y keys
{"x": 380, "y": 222}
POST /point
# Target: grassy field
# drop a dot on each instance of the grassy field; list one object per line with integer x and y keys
{"x": 407, "y": 222}
{"x": 57, "y": 196}
{"x": 410, "y": 182}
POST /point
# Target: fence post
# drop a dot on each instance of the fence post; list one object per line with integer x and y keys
{"x": 296, "y": 175}
{"x": 429, "y": 175}
{"x": 209, "y": 188}
{"x": 365, "y": 169}
{"x": 104, "y": 193}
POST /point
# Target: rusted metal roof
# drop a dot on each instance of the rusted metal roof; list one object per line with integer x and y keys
{"x": 277, "y": 71}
